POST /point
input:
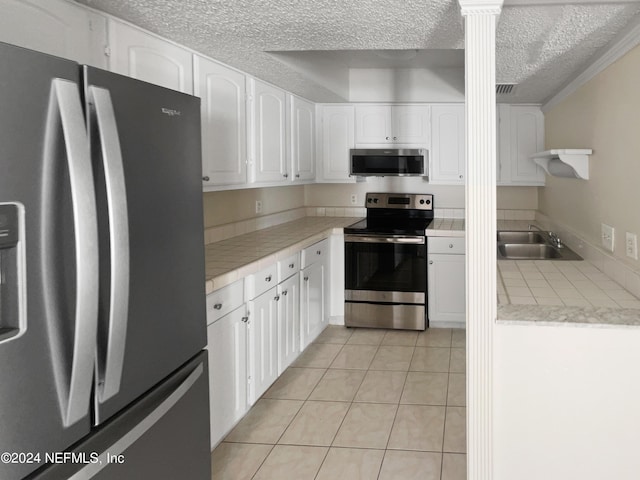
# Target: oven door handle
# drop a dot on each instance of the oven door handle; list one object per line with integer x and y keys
{"x": 384, "y": 239}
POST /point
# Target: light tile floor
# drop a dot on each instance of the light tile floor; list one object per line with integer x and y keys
{"x": 358, "y": 404}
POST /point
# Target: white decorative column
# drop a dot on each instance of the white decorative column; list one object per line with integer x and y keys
{"x": 480, "y": 112}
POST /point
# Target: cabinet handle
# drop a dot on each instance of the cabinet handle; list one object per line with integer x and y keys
{"x": 306, "y": 279}
{"x": 276, "y": 298}
{"x": 461, "y": 176}
{"x": 297, "y": 175}
{"x": 291, "y": 265}
{"x": 245, "y": 319}
{"x": 205, "y": 178}
{"x": 285, "y": 293}
{"x": 451, "y": 245}
{"x": 217, "y": 306}
{"x": 267, "y": 279}
{"x": 286, "y": 175}
{"x": 395, "y": 138}
{"x": 319, "y": 252}
{"x": 430, "y": 262}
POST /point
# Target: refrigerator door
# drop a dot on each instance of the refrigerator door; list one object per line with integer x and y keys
{"x": 46, "y": 188}
{"x": 145, "y": 141}
{"x": 163, "y": 435}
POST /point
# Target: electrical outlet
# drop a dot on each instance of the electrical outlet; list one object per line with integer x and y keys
{"x": 258, "y": 206}
{"x": 354, "y": 199}
{"x": 632, "y": 245}
{"x": 607, "y": 237}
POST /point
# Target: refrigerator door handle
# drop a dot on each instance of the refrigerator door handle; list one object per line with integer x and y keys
{"x": 133, "y": 435}
{"x": 65, "y": 111}
{"x": 110, "y": 374}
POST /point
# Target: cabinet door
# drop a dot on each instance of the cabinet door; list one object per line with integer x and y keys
{"x": 303, "y": 146}
{"x": 224, "y": 126}
{"x": 146, "y": 57}
{"x": 268, "y": 133}
{"x": 447, "y": 144}
{"x": 312, "y": 303}
{"x": 446, "y": 291}
{"x": 288, "y": 322}
{"x": 338, "y": 138}
{"x": 526, "y": 138}
{"x": 373, "y": 124}
{"x": 410, "y": 124}
{"x": 227, "y": 347}
{"x": 55, "y": 27}
{"x": 263, "y": 343}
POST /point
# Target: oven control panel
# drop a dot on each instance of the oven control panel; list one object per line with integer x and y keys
{"x": 412, "y": 201}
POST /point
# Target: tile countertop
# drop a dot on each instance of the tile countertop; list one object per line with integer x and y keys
{"x": 234, "y": 258}
{"x": 237, "y": 257}
{"x": 446, "y": 227}
{"x": 555, "y": 291}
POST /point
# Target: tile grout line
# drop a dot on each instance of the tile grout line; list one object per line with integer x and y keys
{"x": 348, "y": 409}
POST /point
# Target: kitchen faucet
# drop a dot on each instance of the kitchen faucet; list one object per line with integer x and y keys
{"x": 553, "y": 237}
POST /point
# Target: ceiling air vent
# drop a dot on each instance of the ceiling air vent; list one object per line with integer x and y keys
{"x": 504, "y": 88}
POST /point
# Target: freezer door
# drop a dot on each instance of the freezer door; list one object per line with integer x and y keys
{"x": 164, "y": 435}
{"x": 145, "y": 141}
{"x": 49, "y": 284}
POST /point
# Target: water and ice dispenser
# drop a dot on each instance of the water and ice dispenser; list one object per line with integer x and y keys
{"x": 12, "y": 321}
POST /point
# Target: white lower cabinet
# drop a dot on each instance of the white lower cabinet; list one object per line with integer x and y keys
{"x": 258, "y": 326}
{"x": 312, "y": 303}
{"x": 446, "y": 282}
{"x": 227, "y": 347}
{"x": 263, "y": 343}
{"x": 288, "y": 322}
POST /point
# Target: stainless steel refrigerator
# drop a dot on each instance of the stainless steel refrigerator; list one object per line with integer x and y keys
{"x": 102, "y": 302}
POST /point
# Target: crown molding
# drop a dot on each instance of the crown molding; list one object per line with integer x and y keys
{"x": 618, "y": 49}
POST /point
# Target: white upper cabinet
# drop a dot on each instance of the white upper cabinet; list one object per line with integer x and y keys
{"x": 410, "y": 124}
{"x": 55, "y": 27}
{"x": 447, "y": 144}
{"x": 224, "y": 124}
{"x": 520, "y": 134}
{"x": 267, "y": 112}
{"x": 392, "y": 124}
{"x": 302, "y": 127}
{"x": 337, "y": 139}
{"x": 146, "y": 57}
{"x": 373, "y": 124}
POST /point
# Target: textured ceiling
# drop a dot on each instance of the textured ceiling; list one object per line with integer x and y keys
{"x": 539, "y": 47}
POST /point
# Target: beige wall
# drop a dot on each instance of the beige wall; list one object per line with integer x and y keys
{"x": 602, "y": 115}
{"x": 231, "y": 206}
{"x": 236, "y": 205}
{"x": 339, "y": 195}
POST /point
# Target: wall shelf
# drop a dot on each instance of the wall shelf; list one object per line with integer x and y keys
{"x": 568, "y": 163}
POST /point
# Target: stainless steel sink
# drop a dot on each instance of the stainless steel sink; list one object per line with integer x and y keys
{"x": 520, "y": 237}
{"x": 527, "y": 245}
{"x": 528, "y": 251}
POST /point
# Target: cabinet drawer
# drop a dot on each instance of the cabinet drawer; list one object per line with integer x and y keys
{"x": 315, "y": 253}
{"x": 453, "y": 245}
{"x": 258, "y": 283}
{"x": 225, "y": 300}
{"x": 288, "y": 266}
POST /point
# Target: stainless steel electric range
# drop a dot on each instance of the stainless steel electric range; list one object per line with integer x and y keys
{"x": 386, "y": 263}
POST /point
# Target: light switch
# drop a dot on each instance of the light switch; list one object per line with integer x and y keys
{"x": 607, "y": 237}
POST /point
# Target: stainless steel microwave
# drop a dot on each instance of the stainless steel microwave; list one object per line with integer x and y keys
{"x": 387, "y": 162}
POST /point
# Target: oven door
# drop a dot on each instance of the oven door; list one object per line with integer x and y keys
{"x": 385, "y": 268}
